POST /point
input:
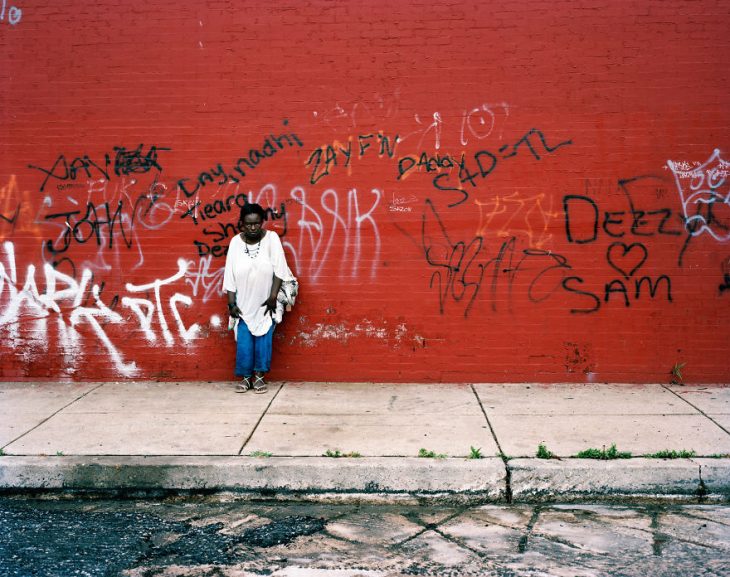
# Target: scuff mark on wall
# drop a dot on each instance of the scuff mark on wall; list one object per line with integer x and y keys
{"x": 344, "y": 331}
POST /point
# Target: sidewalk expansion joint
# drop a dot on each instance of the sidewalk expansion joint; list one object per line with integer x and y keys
{"x": 49, "y": 417}
{"x": 696, "y": 408}
{"x": 507, "y": 470}
{"x": 261, "y": 418}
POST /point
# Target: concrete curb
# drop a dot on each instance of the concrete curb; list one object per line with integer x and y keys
{"x": 523, "y": 480}
{"x": 543, "y": 479}
{"x": 485, "y": 477}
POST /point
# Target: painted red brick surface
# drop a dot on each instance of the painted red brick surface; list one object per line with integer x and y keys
{"x": 467, "y": 191}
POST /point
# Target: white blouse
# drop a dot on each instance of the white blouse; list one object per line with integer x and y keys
{"x": 249, "y": 272}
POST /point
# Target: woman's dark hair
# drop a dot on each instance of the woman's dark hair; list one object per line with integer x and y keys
{"x": 252, "y": 208}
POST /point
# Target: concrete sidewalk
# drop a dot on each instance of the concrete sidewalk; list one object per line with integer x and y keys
{"x": 203, "y": 436}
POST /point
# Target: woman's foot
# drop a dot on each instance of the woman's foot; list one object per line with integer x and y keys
{"x": 259, "y": 385}
{"x": 244, "y": 385}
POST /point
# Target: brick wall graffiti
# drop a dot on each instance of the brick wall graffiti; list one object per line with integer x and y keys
{"x": 74, "y": 303}
{"x": 466, "y": 193}
{"x": 14, "y": 13}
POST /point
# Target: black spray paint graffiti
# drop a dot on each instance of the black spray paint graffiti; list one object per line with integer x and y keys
{"x": 10, "y": 219}
{"x": 725, "y": 284}
{"x": 459, "y": 268}
{"x": 626, "y": 258}
{"x": 99, "y": 223}
{"x": 455, "y": 271}
{"x": 199, "y": 212}
{"x": 244, "y": 165}
{"x": 220, "y": 232}
{"x": 126, "y": 161}
{"x": 206, "y": 214}
{"x": 425, "y": 162}
{"x": 325, "y": 157}
{"x": 486, "y": 163}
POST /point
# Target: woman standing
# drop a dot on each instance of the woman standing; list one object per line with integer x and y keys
{"x": 255, "y": 269}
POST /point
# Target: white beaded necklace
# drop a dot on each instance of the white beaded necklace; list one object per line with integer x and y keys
{"x": 252, "y": 250}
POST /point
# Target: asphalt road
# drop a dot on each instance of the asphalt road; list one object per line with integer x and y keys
{"x": 224, "y": 537}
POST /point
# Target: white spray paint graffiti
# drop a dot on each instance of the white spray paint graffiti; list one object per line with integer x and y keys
{"x": 14, "y": 13}
{"x": 64, "y": 294}
{"x": 314, "y": 231}
{"x": 145, "y": 316}
{"x": 327, "y": 231}
{"x": 317, "y": 234}
{"x": 203, "y": 282}
{"x": 700, "y": 191}
{"x": 344, "y": 331}
{"x": 478, "y": 122}
{"x": 475, "y": 120}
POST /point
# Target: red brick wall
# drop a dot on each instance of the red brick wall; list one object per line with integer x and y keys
{"x": 469, "y": 191}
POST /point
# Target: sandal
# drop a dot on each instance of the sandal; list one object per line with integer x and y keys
{"x": 244, "y": 385}
{"x": 259, "y": 385}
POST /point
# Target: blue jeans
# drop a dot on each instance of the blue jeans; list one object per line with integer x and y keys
{"x": 253, "y": 353}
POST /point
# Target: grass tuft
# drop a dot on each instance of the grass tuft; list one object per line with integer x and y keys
{"x": 667, "y": 454}
{"x": 544, "y": 453}
{"x": 336, "y": 454}
{"x": 430, "y": 454}
{"x": 603, "y": 454}
{"x": 260, "y": 454}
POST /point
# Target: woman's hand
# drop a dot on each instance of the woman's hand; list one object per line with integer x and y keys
{"x": 270, "y": 304}
{"x": 234, "y": 311}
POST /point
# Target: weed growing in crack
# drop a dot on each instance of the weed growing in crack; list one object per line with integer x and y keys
{"x": 475, "y": 453}
{"x": 430, "y": 454}
{"x": 604, "y": 454}
{"x": 676, "y": 373}
{"x": 544, "y": 453}
{"x": 336, "y": 454}
{"x": 667, "y": 454}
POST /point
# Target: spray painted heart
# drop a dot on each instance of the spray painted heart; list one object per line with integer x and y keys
{"x": 626, "y": 259}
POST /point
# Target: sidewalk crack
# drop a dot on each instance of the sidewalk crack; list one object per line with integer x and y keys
{"x": 505, "y": 460}
{"x": 429, "y": 526}
{"x": 696, "y": 408}
{"x": 49, "y": 417}
{"x": 524, "y": 539}
{"x": 261, "y": 418}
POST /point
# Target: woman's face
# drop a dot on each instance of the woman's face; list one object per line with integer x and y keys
{"x": 252, "y": 226}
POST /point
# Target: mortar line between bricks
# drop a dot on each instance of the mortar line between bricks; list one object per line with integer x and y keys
{"x": 261, "y": 418}
{"x": 507, "y": 470}
{"x": 49, "y": 417}
{"x": 696, "y": 408}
